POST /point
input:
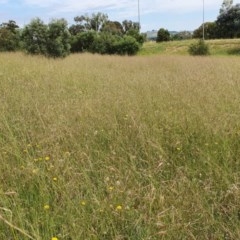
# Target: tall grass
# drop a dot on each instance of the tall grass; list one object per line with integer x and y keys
{"x": 107, "y": 147}
{"x": 218, "y": 47}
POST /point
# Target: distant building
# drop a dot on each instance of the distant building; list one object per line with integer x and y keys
{"x": 152, "y": 35}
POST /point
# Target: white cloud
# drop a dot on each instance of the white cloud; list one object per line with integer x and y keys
{"x": 147, "y": 6}
{"x": 153, "y": 12}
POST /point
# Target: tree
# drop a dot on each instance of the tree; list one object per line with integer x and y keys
{"x": 210, "y": 31}
{"x": 50, "y": 40}
{"x": 140, "y": 38}
{"x": 83, "y": 41}
{"x": 35, "y": 37}
{"x": 226, "y": 5}
{"x": 87, "y": 23}
{"x": 113, "y": 27}
{"x": 130, "y": 25}
{"x": 106, "y": 43}
{"x": 9, "y": 36}
{"x": 76, "y": 28}
{"x": 126, "y": 46}
{"x": 58, "y": 42}
{"x": 163, "y": 35}
{"x": 132, "y": 29}
{"x": 228, "y": 23}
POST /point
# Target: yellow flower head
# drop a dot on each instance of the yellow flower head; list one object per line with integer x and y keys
{"x": 55, "y": 179}
{"x": 83, "y": 203}
{"x": 47, "y": 158}
{"x": 119, "y": 208}
{"x": 54, "y": 238}
{"x": 46, "y": 207}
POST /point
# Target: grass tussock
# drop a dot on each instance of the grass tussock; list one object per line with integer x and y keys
{"x": 107, "y": 147}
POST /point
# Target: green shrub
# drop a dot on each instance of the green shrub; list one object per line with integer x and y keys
{"x": 52, "y": 40}
{"x": 106, "y": 43}
{"x": 126, "y": 46}
{"x": 58, "y": 41}
{"x": 163, "y": 35}
{"x": 83, "y": 41}
{"x": 199, "y": 48}
{"x": 9, "y": 36}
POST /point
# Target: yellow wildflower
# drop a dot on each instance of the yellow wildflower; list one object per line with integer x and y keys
{"x": 54, "y": 238}
{"x": 47, "y": 158}
{"x": 46, "y": 207}
{"x": 119, "y": 208}
{"x": 54, "y": 179}
{"x": 83, "y": 203}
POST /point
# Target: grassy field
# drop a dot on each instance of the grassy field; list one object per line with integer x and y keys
{"x": 217, "y": 47}
{"x": 106, "y": 147}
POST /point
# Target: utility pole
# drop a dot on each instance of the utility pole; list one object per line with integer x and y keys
{"x": 203, "y": 20}
{"x": 139, "y": 15}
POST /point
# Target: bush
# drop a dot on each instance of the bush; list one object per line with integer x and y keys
{"x": 34, "y": 37}
{"x": 9, "y": 36}
{"x": 199, "y": 48}
{"x": 58, "y": 44}
{"x": 112, "y": 44}
{"x": 127, "y": 46}
{"x": 104, "y": 43}
{"x": 140, "y": 38}
{"x": 52, "y": 40}
{"x": 83, "y": 41}
{"x": 163, "y": 35}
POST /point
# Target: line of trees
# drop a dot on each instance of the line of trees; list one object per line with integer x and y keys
{"x": 91, "y": 33}
{"x": 227, "y": 24}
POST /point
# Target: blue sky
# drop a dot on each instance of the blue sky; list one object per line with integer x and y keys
{"x": 171, "y": 14}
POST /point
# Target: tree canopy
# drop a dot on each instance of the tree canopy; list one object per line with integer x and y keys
{"x": 228, "y": 22}
{"x": 9, "y": 36}
{"x": 163, "y": 35}
{"x": 210, "y": 31}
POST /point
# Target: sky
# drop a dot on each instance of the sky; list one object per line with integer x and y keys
{"x": 174, "y": 15}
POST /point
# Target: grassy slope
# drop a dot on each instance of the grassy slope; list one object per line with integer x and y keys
{"x": 119, "y": 148}
{"x": 217, "y": 47}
